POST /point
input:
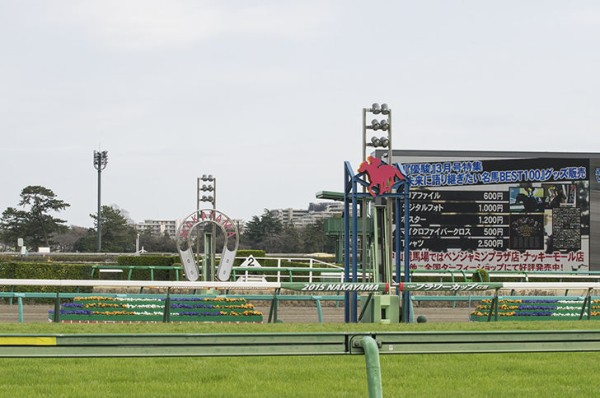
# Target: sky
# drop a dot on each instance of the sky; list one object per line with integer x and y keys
{"x": 267, "y": 96}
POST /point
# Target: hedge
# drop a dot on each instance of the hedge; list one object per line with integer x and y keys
{"x": 480, "y": 275}
{"x": 151, "y": 259}
{"x": 47, "y": 270}
{"x": 60, "y": 258}
{"x": 254, "y": 253}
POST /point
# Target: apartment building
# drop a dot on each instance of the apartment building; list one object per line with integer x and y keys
{"x": 304, "y": 217}
{"x": 159, "y": 227}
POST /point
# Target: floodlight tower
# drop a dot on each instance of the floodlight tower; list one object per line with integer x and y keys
{"x": 383, "y": 125}
{"x": 100, "y": 162}
{"x": 209, "y": 194}
{"x": 385, "y": 141}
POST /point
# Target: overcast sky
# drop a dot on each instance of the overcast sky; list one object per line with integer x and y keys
{"x": 267, "y": 95}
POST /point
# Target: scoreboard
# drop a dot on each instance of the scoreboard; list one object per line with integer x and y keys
{"x": 518, "y": 214}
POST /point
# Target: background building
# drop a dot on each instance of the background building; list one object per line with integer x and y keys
{"x": 303, "y": 217}
{"x": 159, "y": 227}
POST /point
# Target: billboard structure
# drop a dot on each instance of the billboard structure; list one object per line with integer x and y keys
{"x": 503, "y": 211}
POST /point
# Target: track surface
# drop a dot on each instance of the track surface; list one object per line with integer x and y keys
{"x": 286, "y": 313}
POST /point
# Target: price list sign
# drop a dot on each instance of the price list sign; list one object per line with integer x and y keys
{"x": 469, "y": 220}
{"x": 500, "y": 213}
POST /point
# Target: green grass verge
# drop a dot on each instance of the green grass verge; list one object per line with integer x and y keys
{"x": 465, "y": 375}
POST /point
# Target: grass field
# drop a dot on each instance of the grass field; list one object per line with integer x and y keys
{"x": 464, "y": 375}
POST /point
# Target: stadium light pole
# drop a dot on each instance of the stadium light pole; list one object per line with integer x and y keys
{"x": 100, "y": 162}
{"x": 209, "y": 194}
{"x": 385, "y": 125}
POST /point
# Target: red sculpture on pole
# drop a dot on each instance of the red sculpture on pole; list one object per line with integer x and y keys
{"x": 381, "y": 175}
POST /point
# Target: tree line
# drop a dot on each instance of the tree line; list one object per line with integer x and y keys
{"x": 35, "y": 220}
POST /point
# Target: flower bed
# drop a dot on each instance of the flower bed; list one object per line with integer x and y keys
{"x": 536, "y": 310}
{"x": 181, "y": 309}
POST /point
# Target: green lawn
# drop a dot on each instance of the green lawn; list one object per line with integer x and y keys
{"x": 464, "y": 375}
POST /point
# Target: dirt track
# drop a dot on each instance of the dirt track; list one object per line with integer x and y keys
{"x": 286, "y": 313}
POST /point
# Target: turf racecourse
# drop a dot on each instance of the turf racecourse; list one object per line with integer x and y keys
{"x": 449, "y": 375}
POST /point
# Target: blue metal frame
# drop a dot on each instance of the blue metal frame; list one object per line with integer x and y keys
{"x": 400, "y": 191}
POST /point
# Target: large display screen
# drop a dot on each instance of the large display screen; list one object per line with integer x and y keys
{"x": 500, "y": 214}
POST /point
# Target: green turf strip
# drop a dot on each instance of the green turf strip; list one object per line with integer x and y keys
{"x": 457, "y": 375}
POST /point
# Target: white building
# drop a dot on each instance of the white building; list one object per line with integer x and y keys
{"x": 304, "y": 217}
{"x": 159, "y": 227}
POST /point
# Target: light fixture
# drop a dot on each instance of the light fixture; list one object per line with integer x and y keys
{"x": 384, "y": 125}
{"x": 377, "y": 142}
{"x": 207, "y": 198}
{"x": 385, "y": 109}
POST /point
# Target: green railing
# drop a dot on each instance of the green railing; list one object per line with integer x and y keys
{"x": 311, "y": 270}
{"x": 98, "y": 269}
{"x": 260, "y": 344}
{"x": 274, "y": 300}
{"x": 371, "y": 345}
{"x": 288, "y": 274}
{"x": 523, "y": 276}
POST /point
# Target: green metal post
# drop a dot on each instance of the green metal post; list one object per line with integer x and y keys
{"x": 319, "y": 310}
{"x": 56, "y": 317}
{"x": 365, "y": 306}
{"x": 455, "y": 293}
{"x": 209, "y": 261}
{"x": 390, "y": 241}
{"x": 364, "y": 239}
{"x": 274, "y": 304}
{"x": 20, "y": 306}
{"x": 494, "y": 308}
{"x": 369, "y": 345}
{"x": 387, "y": 242}
{"x": 589, "y": 308}
{"x": 375, "y": 255}
{"x": 167, "y": 311}
{"x": 587, "y": 304}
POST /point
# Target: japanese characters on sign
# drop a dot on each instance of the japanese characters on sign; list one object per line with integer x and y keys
{"x": 501, "y": 214}
{"x": 452, "y": 287}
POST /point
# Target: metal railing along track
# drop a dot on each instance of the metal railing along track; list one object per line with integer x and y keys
{"x": 283, "y": 344}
